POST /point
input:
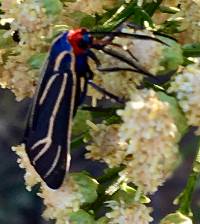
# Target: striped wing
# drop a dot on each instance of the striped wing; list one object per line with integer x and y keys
{"x": 47, "y": 138}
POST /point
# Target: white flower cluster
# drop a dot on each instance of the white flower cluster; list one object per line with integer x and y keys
{"x": 128, "y": 214}
{"x": 151, "y": 133}
{"x": 189, "y": 11}
{"x": 17, "y": 76}
{"x": 148, "y": 53}
{"x": 141, "y": 142}
{"x": 106, "y": 145}
{"x": 34, "y": 27}
{"x": 31, "y": 177}
{"x": 30, "y": 20}
{"x": 186, "y": 86}
{"x": 62, "y": 202}
{"x": 91, "y": 7}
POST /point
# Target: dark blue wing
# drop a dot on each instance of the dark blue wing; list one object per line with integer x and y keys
{"x": 48, "y": 134}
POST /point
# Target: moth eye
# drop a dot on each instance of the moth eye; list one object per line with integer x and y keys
{"x": 82, "y": 44}
{"x": 85, "y": 41}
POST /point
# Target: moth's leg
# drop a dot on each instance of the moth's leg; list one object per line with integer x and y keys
{"x": 119, "y": 56}
{"x": 109, "y": 69}
{"x": 125, "y": 49}
{"x": 115, "y": 69}
{"x": 150, "y": 77}
{"x": 105, "y": 92}
{"x": 156, "y": 80}
{"x": 137, "y": 68}
{"x": 138, "y": 27}
{"x": 83, "y": 90}
{"x": 131, "y": 63}
{"x": 89, "y": 75}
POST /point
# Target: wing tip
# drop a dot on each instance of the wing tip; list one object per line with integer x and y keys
{"x": 54, "y": 185}
{"x": 55, "y": 180}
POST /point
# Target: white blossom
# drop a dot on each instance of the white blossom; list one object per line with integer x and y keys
{"x": 128, "y": 214}
{"x": 151, "y": 134}
{"x": 186, "y": 86}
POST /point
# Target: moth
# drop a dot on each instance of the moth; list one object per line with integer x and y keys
{"x": 59, "y": 93}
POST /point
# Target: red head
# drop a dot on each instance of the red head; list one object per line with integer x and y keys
{"x": 80, "y": 40}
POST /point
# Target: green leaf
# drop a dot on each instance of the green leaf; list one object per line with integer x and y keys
{"x": 170, "y": 10}
{"x": 103, "y": 220}
{"x": 140, "y": 16}
{"x": 108, "y": 114}
{"x": 79, "y": 122}
{"x": 121, "y": 15}
{"x": 151, "y": 8}
{"x": 176, "y": 218}
{"x": 79, "y": 16}
{"x": 191, "y": 50}
{"x": 196, "y": 165}
{"x": 81, "y": 217}
{"x": 128, "y": 195}
{"x": 52, "y": 7}
{"x": 88, "y": 21}
{"x": 176, "y": 112}
{"x": 109, "y": 173}
{"x": 172, "y": 55}
{"x": 171, "y": 26}
{"x": 87, "y": 186}
{"x": 6, "y": 42}
{"x": 68, "y": 0}
{"x": 36, "y": 61}
{"x": 102, "y": 18}
{"x": 77, "y": 141}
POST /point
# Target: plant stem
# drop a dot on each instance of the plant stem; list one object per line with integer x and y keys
{"x": 191, "y": 50}
{"x": 185, "y": 198}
